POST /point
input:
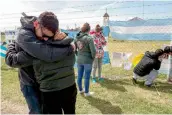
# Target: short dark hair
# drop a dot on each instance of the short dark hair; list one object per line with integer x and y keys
{"x": 49, "y": 21}
{"x": 167, "y": 49}
{"x": 159, "y": 52}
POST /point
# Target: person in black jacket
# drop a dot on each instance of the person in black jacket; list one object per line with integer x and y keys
{"x": 27, "y": 39}
{"x": 148, "y": 67}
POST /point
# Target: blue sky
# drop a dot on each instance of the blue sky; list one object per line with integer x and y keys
{"x": 77, "y": 12}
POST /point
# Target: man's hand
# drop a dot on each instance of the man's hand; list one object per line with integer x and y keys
{"x": 42, "y": 38}
{"x": 160, "y": 59}
{"x": 45, "y": 38}
{"x": 59, "y": 36}
{"x": 165, "y": 56}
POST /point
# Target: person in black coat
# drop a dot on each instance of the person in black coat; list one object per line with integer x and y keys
{"x": 30, "y": 46}
{"x": 148, "y": 67}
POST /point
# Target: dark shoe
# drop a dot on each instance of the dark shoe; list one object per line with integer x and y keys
{"x": 134, "y": 81}
{"x": 149, "y": 85}
{"x": 101, "y": 79}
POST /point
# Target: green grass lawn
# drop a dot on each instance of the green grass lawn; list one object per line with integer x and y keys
{"x": 116, "y": 95}
{"x": 113, "y": 96}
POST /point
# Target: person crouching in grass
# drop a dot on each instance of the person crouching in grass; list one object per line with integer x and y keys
{"x": 148, "y": 67}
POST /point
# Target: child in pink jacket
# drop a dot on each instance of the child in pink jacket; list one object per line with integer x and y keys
{"x": 99, "y": 42}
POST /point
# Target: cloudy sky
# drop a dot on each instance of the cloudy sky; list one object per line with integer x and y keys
{"x": 72, "y": 12}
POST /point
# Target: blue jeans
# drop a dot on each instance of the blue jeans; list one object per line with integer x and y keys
{"x": 33, "y": 98}
{"x": 81, "y": 69}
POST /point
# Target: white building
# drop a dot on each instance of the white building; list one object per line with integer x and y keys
{"x": 106, "y": 19}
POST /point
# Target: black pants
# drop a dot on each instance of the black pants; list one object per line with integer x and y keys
{"x": 58, "y": 101}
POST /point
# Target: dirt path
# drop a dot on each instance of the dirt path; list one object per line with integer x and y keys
{"x": 8, "y": 107}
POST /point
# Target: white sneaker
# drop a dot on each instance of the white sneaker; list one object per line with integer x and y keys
{"x": 83, "y": 91}
{"x": 88, "y": 94}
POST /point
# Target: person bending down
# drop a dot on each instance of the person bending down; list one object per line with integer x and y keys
{"x": 148, "y": 67}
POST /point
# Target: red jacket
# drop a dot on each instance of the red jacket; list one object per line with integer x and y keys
{"x": 99, "y": 42}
